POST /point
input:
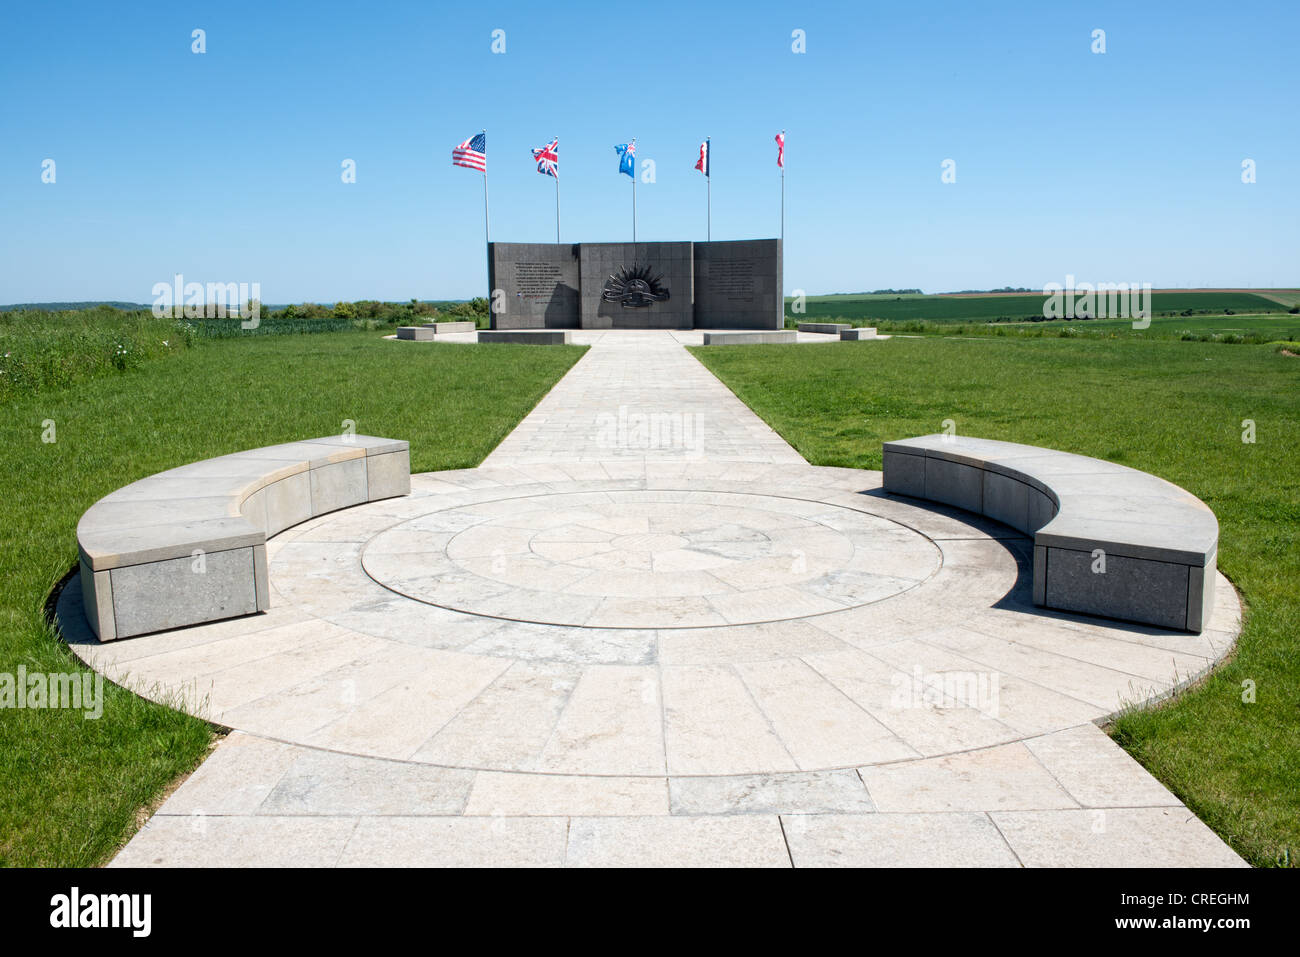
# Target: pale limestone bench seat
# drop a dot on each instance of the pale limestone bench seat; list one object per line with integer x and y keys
{"x": 1159, "y": 542}
{"x": 188, "y": 545}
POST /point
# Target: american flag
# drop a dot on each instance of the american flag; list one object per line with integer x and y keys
{"x": 548, "y": 158}
{"x": 472, "y": 153}
{"x": 780, "y": 149}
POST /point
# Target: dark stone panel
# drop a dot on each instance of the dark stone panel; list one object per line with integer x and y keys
{"x": 536, "y": 285}
{"x": 651, "y": 280}
{"x": 737, "y": 284}
{"x": 651, "y": 285}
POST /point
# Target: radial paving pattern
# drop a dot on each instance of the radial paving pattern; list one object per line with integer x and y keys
{"x": 637, "y": 559}
{"x": 585, "y": 653}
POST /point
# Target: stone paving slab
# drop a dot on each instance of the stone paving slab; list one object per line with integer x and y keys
{"x": 816, "y": 717}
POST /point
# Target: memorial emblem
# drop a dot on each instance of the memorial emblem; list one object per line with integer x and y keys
{"x": 634, "y": 288}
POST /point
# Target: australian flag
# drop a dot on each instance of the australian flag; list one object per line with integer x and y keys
{"x": 627, "y": 158}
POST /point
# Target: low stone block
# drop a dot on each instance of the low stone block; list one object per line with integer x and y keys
{"x": 1040, "y": 576}
{"x": 861, "y": 332}
{"x": 261, "y": 578}
{"x": 1200, "y": 593}
{"x": 97, "y": 598}
{"x": 824, "y": 328}
{"x": 449, "y": 328}
{"x": 774, "y": 337}
{"x": 531, "y": 337}
{"x": 1132, "y": 589}
{"x": 338, "y": 486}
{"x": 183, "y": 591}
{"x": 288, "y": 503}
{"x": 1041, "y": 510}
{"x": 388, "y": 475}
{"x": 416, "y": 333}
{"x": 904, "y": 474}
{"x": 1006, "y": 500}
{"x": 954, "y": 483}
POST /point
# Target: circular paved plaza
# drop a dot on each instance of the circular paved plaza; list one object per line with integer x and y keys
{"x": 721, "y": 658}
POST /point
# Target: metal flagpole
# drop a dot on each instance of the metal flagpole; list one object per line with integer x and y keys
{"x": 487, "y": 229}
{"x": 634, "y": 192}
{"x": 557, "y": 206}
{"x": 783, "y": 189}
{"x": 708, "y": 190}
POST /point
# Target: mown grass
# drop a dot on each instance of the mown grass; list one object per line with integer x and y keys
{"x": 1172, "y": 408}
{"x": 1003, "y": 307}
{"x": 70, "y": 789}
{"x": 1232, "y": 330}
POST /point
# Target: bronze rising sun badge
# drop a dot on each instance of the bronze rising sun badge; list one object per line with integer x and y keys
{"x": 634, "y": 288}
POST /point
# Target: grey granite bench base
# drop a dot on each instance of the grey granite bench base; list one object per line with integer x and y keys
{"x": 188, "y": 545}
{"x": 861, "y": 332}
{"x": 1108, "y": 540}
{"x": 416, "y": 333}
{"x": 433, "y": 330}
{"x": 533, "y": 337}
{"x": 749, "y": 338}
{"x": 825, "y": 328}
{"x": 451, "y": 328}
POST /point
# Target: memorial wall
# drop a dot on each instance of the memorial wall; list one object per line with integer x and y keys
{"x": 683, "y": 285}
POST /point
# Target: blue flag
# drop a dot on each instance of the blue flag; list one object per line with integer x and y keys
{"x": 627, "y": 161}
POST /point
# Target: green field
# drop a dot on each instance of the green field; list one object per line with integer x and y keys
{"x": 993, "y": 308}
{"x": 1168, "y": 407}
{"x": 1236, "y": 329}
{"x": 71, "y": 789}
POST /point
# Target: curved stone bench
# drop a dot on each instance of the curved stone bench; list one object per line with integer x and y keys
{"x": 188, "y": 545}
{"x": 1159, "y": 542}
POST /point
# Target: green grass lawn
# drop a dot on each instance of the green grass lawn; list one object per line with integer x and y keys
{"x": 1246, "y": 327}
{"x": 71, "y": 789}
{"x": 862, "y": 308}
{"x": 1171, "y": 408}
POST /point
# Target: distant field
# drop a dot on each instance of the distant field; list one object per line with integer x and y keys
{"x": 1025, "y": 306}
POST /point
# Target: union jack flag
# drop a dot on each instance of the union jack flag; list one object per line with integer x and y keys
{"x": 548, "y": 158}
{"x": 472, "y": 154}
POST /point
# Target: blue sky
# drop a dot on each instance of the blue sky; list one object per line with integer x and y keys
{"x": 226, "y": 166}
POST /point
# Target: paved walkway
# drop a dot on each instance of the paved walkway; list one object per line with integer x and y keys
{"x": 645, "y": 631}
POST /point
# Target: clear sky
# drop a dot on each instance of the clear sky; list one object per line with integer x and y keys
{"x": 226, "y": 166}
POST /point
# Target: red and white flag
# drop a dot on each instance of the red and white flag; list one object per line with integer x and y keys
{"x": 780, "y": 149}
{"x": 702, "y": 164}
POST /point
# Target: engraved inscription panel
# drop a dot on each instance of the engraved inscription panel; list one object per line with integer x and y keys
{"x": 537, "y": 280}
{"x": 733, "y": 280}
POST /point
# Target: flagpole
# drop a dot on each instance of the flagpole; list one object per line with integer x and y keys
{"x": 634, "y": 195}
{"x": 708, "y": 191}
{"x": 487, "y": 229}
{"x": 557, "y": 206}
{"x": 783, "y": 190}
